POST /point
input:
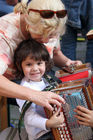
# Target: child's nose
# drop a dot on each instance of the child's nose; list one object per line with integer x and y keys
{"x": 35, "y": 67}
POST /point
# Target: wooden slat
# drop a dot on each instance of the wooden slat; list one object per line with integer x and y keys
{"x": 3, "y": 113}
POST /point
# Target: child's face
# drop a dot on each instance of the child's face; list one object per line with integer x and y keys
{"x": 32, "y": 69}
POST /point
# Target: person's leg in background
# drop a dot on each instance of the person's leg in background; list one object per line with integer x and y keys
{"x": 69, "y": 42}
{"x": 89, "y": 52}
{"x": 7, "y": 6}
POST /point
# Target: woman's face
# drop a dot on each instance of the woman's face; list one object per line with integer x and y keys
{"x": 40, "y": 38}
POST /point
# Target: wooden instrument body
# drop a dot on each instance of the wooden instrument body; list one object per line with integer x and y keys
{"x": 82, "y": 71}
{"x": 79, "y": 92}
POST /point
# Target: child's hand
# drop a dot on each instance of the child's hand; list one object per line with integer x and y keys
{"x": 84, "y": 116}
{"x": 57, "y": 120}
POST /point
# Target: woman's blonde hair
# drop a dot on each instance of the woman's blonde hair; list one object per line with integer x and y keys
{"x": 37, "y": 24}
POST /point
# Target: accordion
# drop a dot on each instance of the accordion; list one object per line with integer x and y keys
{"x": 82, "y": 71}
{"x": 79, "y": 92}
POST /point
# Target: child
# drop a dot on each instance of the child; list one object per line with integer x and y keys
{"x": 32, "y": 60}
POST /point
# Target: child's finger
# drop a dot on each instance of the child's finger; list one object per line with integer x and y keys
{"x": 58, "y": 111}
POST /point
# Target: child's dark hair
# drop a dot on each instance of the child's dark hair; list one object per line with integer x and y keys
{"x": 32, "y": 48}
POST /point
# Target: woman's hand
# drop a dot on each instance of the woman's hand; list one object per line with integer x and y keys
{"x": 47, "y": 99}
{"x": 84, "y": 116}
{"x": 69, "y": 65}
{"x": 71, "y": 62}
{"x": 57, "y": 120}
{"x": 62, "y": 61}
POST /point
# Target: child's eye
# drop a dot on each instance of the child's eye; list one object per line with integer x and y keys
{"x": 39, "y": 63}
{"x": 29, "y": 64}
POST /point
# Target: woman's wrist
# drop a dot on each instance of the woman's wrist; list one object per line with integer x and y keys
{"x": 68, "y": 62}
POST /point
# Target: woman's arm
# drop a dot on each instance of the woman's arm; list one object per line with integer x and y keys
{"x": 13, "y": 90}
{"x": 61, "y": 60}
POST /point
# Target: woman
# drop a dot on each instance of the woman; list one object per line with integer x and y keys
{"x": 46, "y": 26}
